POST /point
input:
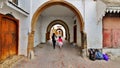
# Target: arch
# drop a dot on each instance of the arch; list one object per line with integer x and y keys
{"x": 46, "y": 5}
{"x": 61, "y": 23}
{"x": 51, "y": 3}
{"x": 60, "y": 30}
{"x": 9, "y": 15}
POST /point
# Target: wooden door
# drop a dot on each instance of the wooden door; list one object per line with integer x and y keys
{"x": 116, "y": 38}
{"x": 107, "y": 38}
{"x": 47, "y": 36}
{"x": 9, "y": 37}
{"x": 75, "y": 33}
{"x": 111, "y": 32}
{"x": 0, "y": 40}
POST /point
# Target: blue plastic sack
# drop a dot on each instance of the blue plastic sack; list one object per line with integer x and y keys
{"x": 99, "y": 55}
{"x": 105, "y": 56}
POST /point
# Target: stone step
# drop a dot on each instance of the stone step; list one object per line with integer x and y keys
{"x": 9, "y": 62}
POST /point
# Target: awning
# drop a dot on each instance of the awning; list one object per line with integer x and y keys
{"x": 113, "y": 9}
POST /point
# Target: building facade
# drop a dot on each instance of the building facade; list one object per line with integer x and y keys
{"x": 88, "y": 23}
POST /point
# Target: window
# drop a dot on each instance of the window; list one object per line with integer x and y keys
{"x": 14, "y": 1}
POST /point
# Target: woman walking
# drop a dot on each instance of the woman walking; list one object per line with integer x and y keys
{"x": 60, "y": 42}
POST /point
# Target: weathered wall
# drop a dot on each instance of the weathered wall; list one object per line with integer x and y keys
{"x": 37, "y": 37}
{"x": 92, "y": 27}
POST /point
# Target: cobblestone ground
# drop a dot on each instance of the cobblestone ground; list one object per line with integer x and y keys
{"x": 67, "y": 57}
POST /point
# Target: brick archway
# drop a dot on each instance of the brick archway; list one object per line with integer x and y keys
{"x": 46, "y": 5}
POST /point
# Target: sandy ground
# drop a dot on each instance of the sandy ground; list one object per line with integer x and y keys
{"x": 67, "y": 57}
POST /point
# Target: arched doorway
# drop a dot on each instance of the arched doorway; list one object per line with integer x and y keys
{"x": 46, "y": 5}
{"x": 60, "y": 32}
{"x": 60, "y": 22}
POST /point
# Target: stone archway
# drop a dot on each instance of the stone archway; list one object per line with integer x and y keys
{"x": 60, "y": 31}
{"x": 46, "y": 5}
{"x": 61, "y": 23}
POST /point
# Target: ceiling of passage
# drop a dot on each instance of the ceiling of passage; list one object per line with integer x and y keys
{"x": 57, "y": 10}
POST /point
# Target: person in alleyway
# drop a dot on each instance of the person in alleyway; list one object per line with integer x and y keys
{"x": 60, "y": 42}
{"x": 54, "y": 40}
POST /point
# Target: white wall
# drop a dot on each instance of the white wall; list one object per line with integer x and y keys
{"x": 100, "y": 13}
{"x": 24, "y": 4}
{"x": 92, "y": 28}
{"x": 79, "y": 4}
{"x": 45, "y": 22}
{"x": 113, "y": 51}
{"x": 23, "y": 29}
{"x": 36, "y": 4}
{"x": 78, "y": 33}
{"x": 37, "y": 37}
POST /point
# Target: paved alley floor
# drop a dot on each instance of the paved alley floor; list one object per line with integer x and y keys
{"x": 67, "y": 57}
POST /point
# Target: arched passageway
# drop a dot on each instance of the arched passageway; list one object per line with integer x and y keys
{"x": 46, "y": 5}
{"x": 60, "y": 22}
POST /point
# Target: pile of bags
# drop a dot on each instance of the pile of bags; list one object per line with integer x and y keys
{"x": 95, "y": 54}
